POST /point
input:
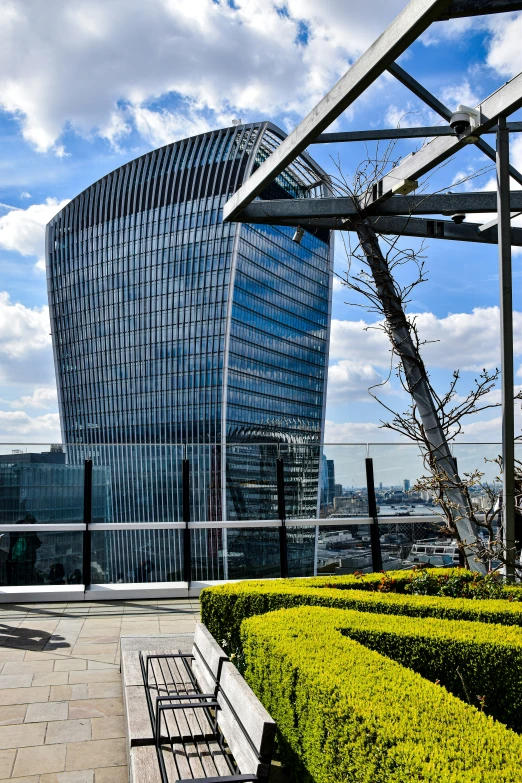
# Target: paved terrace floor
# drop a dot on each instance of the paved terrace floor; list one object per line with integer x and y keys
{"x": 61, "y": 709}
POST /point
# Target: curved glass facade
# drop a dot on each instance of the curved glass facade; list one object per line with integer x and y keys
{"x": 176, "y": 334}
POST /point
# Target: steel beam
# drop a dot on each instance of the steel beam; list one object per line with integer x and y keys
{"x": 430, "y": 100}
{"x": 403, "y": 31}
{"x": 460, "y": 8}
{"x": 421, "y": 204}
{"x": 383, "y": 135}
{"x": 441, "y": 229}
{"x": 506, "y": 343}
{"x": 504, "y": 101}
{"x": 423, "y": 228}
{"x": 400, "y": 133}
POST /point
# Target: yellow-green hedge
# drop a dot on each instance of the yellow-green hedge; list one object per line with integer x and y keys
{"x": 480, "y": 663}
{"x": 347, "y": 713}
{"x": 455, "y": 582}
{"x": 224, "y": 607}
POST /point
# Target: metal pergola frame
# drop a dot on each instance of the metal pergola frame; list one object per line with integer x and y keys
{"x": 396, "y": 214}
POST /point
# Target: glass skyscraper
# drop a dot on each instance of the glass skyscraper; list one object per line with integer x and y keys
{"x": 176, "y": 336}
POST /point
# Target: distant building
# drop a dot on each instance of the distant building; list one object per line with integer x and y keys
{"x": 406, "y": 485}
{"x": 39, "y": 488}
{"x": 350, "y": 506}
{"x": 43, "y": 486}
{"x": 338, "y": 490}
{"x": 323, "y": 481}
{"x": 331, "y": 479}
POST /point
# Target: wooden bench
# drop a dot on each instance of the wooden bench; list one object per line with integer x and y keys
{"x": 204, "y": 722}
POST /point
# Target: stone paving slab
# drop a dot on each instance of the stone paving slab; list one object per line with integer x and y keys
{"x": 61, "y": 706}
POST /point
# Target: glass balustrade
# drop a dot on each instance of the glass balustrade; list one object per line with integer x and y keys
{"x": 130, "y": 526}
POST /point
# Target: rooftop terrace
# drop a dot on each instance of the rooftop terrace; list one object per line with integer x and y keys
{"x": 61, "y": 709}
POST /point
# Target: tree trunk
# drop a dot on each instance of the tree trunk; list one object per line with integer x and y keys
{"x": 417, "y": 382}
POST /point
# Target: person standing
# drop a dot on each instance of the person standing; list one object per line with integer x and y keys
{"x": 21, "y": 559}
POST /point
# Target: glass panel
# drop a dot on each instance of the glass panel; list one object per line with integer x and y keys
{"x": 300, "y": 543}
{"x": 407, "y": 544}
{"x": 343, "y": 549}
{"x": 36, "y": 558}
{"x": 130, "y": 556}
{"x": 342, "y": 481}
{"x": 37, "y": 486}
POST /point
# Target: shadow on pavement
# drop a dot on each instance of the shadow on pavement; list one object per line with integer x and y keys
{"x": 30, "y": 639}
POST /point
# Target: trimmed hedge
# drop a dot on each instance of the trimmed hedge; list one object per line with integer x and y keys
{"x": 452, "y": 582}
{"x": 346, "y": 713}
{"x": 480, "y": 663}
{"x": 223, "y": 608}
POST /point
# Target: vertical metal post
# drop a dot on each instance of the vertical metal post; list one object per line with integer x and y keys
{"x": 375, "y": 540}
{"x": 506, "y": 337}
{"x": 187, "y": 563}
{"x": 87, "y": 517}
{"x": 281, "y": 508}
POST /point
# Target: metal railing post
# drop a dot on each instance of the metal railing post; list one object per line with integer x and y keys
{"x": 506, "y": 343}
{"x": 375, "y": 540}
{"x": 281, "y": 508}
{"x": 87, "y": 518}
{"x": 187, "y": 564}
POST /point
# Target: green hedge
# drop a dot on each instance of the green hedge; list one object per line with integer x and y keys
{"x": 480, "y": 663}
{"x": 452, "y": 582}
{"x": 346, "y": 713}
{"x": 223, "y": 608}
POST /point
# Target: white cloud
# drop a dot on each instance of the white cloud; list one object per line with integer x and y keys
{"x": 505, "y": 52}
{"x": 23, "y": 230}
{"x": 25, "y": 344}
{"x": 358, "y": 432}
{"x": 99, "y": 67}
{"x": 162, "y": 127}
{"x": 460, "y": 93}
{"x": 409, "y": 116}
{"x": 41, "y": 397}
{"x": 79, "y": 64}
{"x": 476, "y": 430}
{"x": 465, "y": 341}
{"x": 349, "y": 381}
{"x": 18, "y": 426}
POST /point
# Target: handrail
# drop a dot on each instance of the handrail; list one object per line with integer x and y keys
{"x": 51, "y": 527}
{"x": 216, "y": 525}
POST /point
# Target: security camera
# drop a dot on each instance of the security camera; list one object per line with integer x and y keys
{"x": 298, "y": 235}
{"x": 464, "y": 120}
{"x": 458, "y": 218}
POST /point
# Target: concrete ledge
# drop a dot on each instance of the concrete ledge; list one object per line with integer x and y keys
{"x": 196, "y": 587}
{"x": 160, "y": 643}
{"x": 41, "y": 593}
{"x": 110, "y": 592}
{"x": 144, "y": 590}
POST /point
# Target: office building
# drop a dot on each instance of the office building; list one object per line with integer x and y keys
{"x": 177, "y": 335}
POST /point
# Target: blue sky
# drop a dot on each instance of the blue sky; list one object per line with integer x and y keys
{"x": 89, "y": 85}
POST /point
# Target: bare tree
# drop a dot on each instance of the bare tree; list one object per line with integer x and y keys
{"x": 432, "y": 421}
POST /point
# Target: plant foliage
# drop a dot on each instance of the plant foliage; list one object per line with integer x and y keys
{"x": 347, "y": 713}
{"x": 223, "y": 608}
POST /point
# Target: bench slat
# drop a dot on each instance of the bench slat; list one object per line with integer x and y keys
{"x": 206, "y": 648}
{"x": 218, "y": 758}
{"x": 257, "y": 722}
